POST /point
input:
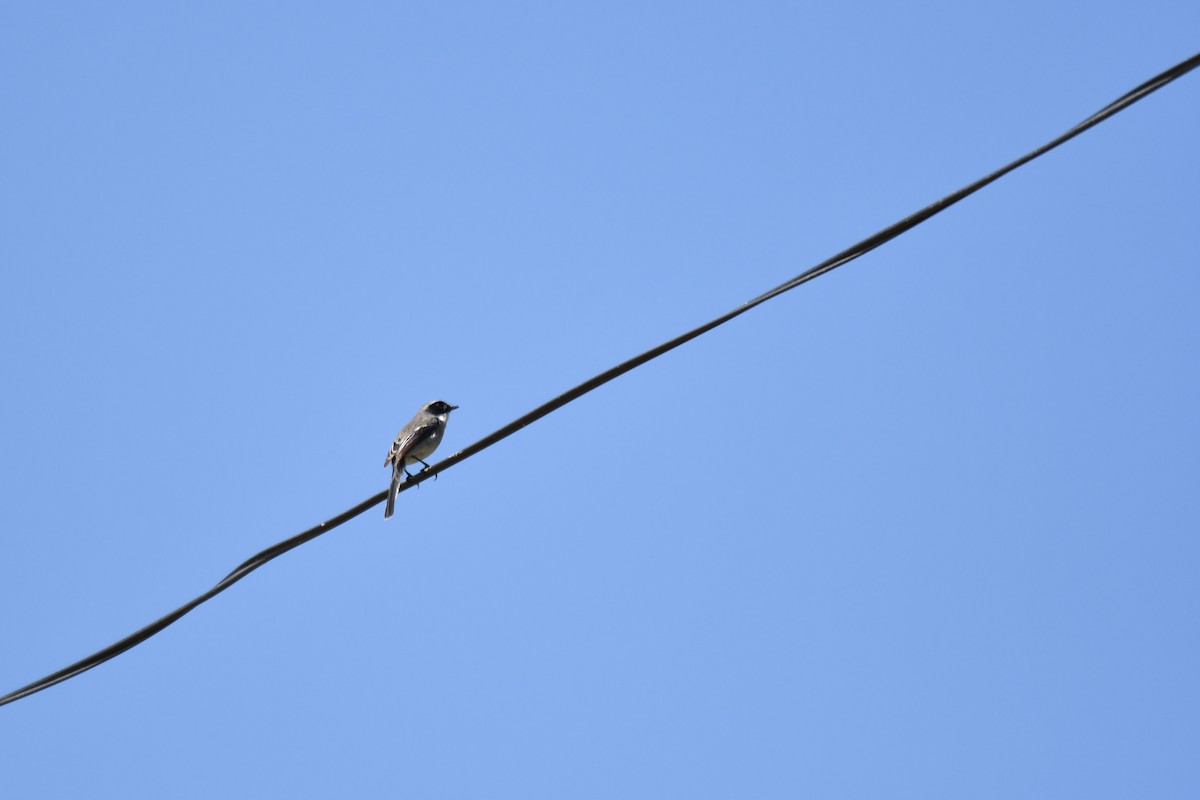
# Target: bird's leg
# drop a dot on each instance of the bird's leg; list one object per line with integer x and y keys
{"x": 410, "y": 476}
{"x": 424, "y": 467}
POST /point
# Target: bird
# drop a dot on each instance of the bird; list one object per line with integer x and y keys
{"x": 416, "y": 441}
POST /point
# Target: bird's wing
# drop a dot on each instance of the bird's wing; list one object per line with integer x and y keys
{"x": 408, "y": 438}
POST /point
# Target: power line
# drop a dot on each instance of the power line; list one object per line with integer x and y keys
{"x": 830, "y": 264}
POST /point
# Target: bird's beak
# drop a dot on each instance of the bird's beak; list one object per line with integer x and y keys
{"x": 453, "y": 407}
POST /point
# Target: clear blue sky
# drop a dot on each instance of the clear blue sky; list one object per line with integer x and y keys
{"x": 926, "y": 527}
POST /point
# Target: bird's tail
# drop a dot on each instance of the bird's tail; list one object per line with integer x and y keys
{"x": 391, "y": 501}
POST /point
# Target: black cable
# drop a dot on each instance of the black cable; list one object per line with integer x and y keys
{"x": 844, "y": 257}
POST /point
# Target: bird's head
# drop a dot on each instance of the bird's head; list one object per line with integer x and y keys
{"x": 438, "y": 408}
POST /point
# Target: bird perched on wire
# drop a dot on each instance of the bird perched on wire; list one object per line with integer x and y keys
{"x": 416, "y": 441}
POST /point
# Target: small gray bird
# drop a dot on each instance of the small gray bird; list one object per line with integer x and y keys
{"x": 416, "y": 441}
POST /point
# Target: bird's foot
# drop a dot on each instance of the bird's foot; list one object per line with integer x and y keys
{"x": 424, "y": 467}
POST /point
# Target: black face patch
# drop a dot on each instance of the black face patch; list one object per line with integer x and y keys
{"x": 440, "y": 407}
